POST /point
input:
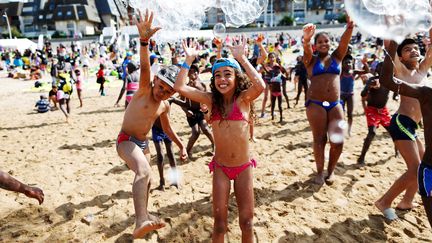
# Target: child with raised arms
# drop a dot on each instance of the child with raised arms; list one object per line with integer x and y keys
{"x": 423, "y": 94}
{"x": 229, "y": 105}
{"x": 148, "y": 104}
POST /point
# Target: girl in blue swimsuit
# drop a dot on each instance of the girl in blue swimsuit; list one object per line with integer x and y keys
{"x": 323, "y": 111}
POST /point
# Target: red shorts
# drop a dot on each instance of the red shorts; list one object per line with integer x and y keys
{"x": 375, "y": 116}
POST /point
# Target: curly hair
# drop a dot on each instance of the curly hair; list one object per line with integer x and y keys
{"x": 242, "y": 83}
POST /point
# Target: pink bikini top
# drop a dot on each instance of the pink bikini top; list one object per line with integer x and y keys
{"x": 235, "y": 115}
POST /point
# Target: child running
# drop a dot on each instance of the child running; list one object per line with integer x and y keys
{"x": 132, "y": 143}
{"x": 229, "y": 107}
{"x": 423, "y": 94}
{"x": 376, "y": 111}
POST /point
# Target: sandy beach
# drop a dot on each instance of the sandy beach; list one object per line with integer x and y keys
{"x": 88, "y": 187}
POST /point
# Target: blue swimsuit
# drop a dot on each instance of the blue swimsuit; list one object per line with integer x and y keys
{"x": 319, "y": 69}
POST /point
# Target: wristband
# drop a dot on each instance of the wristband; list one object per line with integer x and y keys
{"x": 185, "y": 65}
{"x": 144, "y": 43}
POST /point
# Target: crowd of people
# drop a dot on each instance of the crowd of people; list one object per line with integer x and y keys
{"x": 222, "y": 108}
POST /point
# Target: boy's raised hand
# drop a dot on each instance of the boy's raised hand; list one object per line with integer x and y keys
{"x": 144, "y": 25}
{"x": 190, "y": 50}
{"x": 238, "y": 50}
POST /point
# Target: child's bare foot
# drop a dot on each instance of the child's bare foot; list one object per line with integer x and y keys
{"x": 330, "y": 179}
{"x": 319, "y": 179}
{"x": 253, "y": 139}
{"x": 406, "y": 206}
{"x": 388, "y": 212}
{"x": 153, "y": 223}
{"x": 160, "y": 187}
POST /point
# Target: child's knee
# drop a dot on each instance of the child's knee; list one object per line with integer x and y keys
{"x": 322, "y": 140}
{"x": 143, "y": 171}
{"x": 246, "y": 224}
{"x": 220, "y": 226}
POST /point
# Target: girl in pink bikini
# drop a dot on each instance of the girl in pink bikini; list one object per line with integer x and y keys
{"x": 229, "y": 105}
{"x": 78, "y": 85}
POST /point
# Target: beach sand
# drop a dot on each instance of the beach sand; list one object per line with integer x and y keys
{"x": 88, "y": 187}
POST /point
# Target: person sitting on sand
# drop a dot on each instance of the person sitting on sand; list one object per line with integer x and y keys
{"x": 148, "y": 104}
{"x": 9, "y": 183}
{"x": 422, "y": 94}
{"x": 42, "y": 104}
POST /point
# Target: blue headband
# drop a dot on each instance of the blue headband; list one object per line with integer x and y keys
{"x": 225, "y": 62}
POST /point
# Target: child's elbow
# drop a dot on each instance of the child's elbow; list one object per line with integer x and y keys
{"x": 178, "y": 87}
{"x": 261, "y": 85}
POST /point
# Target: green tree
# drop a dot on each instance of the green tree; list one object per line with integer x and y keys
{"x": 342, "y": 18}
{"x": 14, "y": 31}
{"x": 286, "y": 20}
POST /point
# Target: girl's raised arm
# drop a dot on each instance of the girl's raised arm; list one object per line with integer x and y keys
{"x": 258, "y": 85}
{"x": 180, "y": 83}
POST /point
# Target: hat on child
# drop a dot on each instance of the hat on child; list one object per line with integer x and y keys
{"x": 225, "y": 62}
{"x": 168, "y": 74}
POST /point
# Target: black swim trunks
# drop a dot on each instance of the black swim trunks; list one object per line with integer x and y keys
{"x": 402, "y": 128}
{"x": 195, "y": 119}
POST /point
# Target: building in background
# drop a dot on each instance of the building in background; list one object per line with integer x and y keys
{"x": 89, "y": 17}
{"x": 68, "y": 17}
{"x": 306, "y": 11}
{"x": 12, "y": 11}
{"x": 113, "y": 13}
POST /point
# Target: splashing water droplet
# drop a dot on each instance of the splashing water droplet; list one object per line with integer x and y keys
{"x": 174, "y": 176}
{"x": 336, "y": 138}
{"x": 219, "y": 30}
{"x": 343, "y": 124}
